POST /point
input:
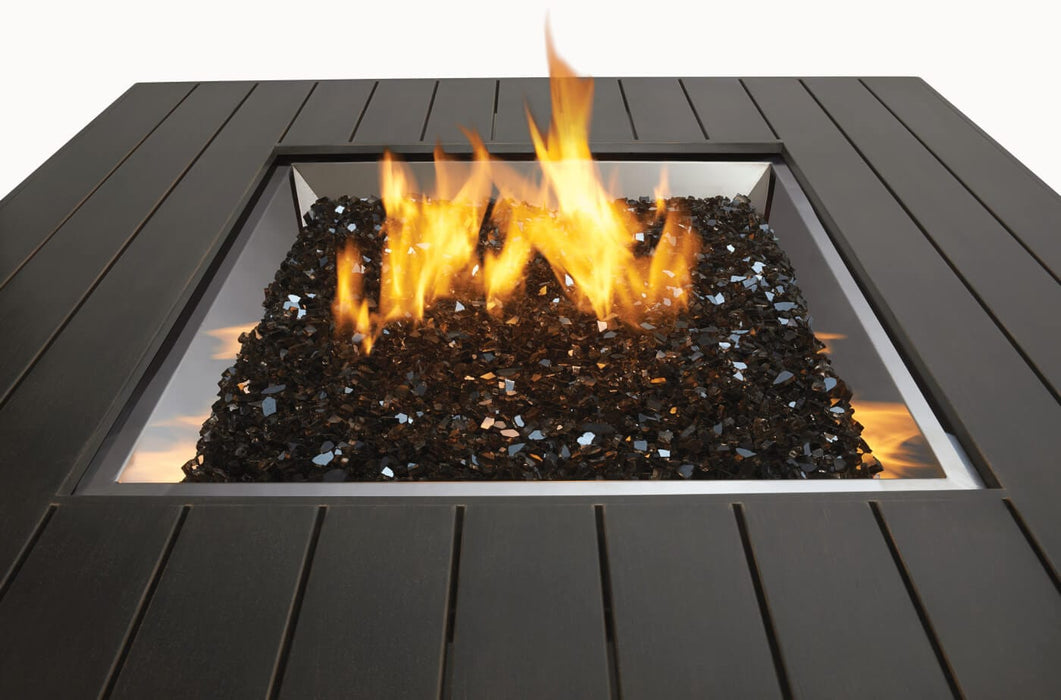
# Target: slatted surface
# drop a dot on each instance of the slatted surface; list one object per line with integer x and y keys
{"x": 530, "y": 618}
{"x": 215, "y": 624}
{"x": 958, "y": 349}
{"x": 62, "y": 632}
{"x": 330, "y": 113}
{"x": 818, "y": 559}
{"x": 86, "y": 366}
{"x": 373, "y": 620}
{"x": 964, "y": 232}
{"x": 824, "y": 596}
{"x": 32, "y": 213}
{"x": 996, "y": 615}
{"x": 669, "y": 645}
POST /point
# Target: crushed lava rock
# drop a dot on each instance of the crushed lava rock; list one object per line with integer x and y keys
{"x": 734, "y": 387}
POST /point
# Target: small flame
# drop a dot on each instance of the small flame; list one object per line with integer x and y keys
{"x": 892, "y": 435}
{"x": 581, "y": 231}
{"x": 165, "y": 447}
{"x": 350, "y": 309}
{"x": 889, "y": 429}
{"x": 825, "y": 338}
{"x": 229, "y": 337}
{"x": 661, "y": 192}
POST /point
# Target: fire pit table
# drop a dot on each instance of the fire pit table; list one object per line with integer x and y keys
{"x": 115, "y": 250}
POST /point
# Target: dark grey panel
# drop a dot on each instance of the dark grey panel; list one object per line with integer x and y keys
{"x": 726, "y": 111}
{"x": 995, "y": 610}
{"x": 514, "y": 97}
{"x": 63, "y": 620}
{"x": 330, "y": 113}
{"x": 372, "y": 622}
{"x": 660, "y": 110}
{"x": 47, "y": 422}
{"x": 610, "y": 123}
{"x": 687, "y": 623}
{"x": 998, "y": 269}
{"x": 845, "y": 623}
{"x": 530, "y": 620}
{"x": 31, "y": 212}
{"x": 397, "y": 112}
{"x": 461, "y": 102}
{"x": 1022, "y": 201}
{"x": 985, "y": 389}
{"x": 48, "y": 288}
{"x": 214, "y": 625}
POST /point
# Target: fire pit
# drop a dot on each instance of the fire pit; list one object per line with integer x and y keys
{"x": 517, "y": 321}
{"x": 490, "y": 423}
{"x": 128, "y": 252}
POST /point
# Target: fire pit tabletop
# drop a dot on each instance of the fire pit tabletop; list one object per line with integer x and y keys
{"x": 104, "y": 249}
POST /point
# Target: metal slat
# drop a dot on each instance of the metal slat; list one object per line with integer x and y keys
{"x": 32, "y": 212}
{"x": 687, "y": 623}
{"x": 214, "y": 625}
{"x": 726, "y": 111}
{"x": 993, "y": 607}
{"x": 514, "y": 96}
{"x": 660, "y": 110}
{"x": 610, "y": 123}
{"x": 529, "y": 619}
{"x": 1020, "y": 200}
{"x": 845, "y": 624}
{"x": 330, "y": 113}
{"x": 464, "y": 102}
{"x": 372, "y": 622}
{"x": 397, "y": 112}
{"x": 63, "y": 619}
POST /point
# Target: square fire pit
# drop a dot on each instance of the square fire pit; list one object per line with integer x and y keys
{"x": 172, "y": 408}
{"x": 910, "y": 232}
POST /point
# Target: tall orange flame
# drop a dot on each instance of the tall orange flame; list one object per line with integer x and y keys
{"x": 575, "y": 224}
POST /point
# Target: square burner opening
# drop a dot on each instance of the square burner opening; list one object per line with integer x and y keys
{"x": 157, "y": 434}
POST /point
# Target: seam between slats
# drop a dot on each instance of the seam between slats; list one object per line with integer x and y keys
{"x": 758, "y": 109}
{"x": 364, "y": 111}
{"x": 915, "y": 600}
{"x": 26, "y": 550}
{"x": 283, "y": 652}
{"x": 298, "y": 112}
{"x": 145, "y": 602}
{"x": 699, "y": 121}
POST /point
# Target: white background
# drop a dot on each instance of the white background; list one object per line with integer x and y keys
{"x": 63, "y": 63}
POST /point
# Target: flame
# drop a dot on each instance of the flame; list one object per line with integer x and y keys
{"x": 229, "y": 337}
{"x": 350, "y": 309}
{"x": 892, "y": 435}
{"x": 661, "y": 192}
{"x": 889, "y": 429}
{"x": 576, "y": 226}
{"x": 169, "y": 445}
{"x": 826, "y": 337}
